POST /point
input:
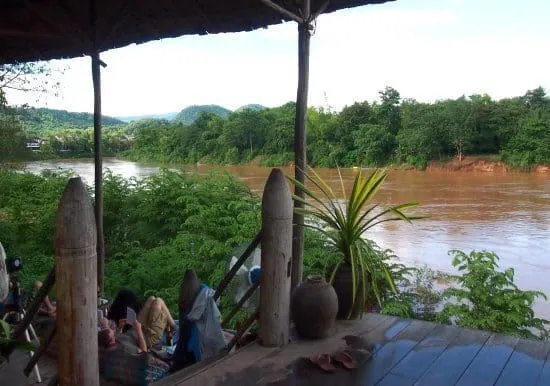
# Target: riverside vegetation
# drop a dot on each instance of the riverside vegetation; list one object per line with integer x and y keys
{"x": 390, "y": 131}
{"x": 157, "y": 227}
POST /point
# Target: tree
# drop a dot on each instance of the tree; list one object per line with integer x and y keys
{"x": 536, "y": 98}
{"x": 459, "y": 124}
{"x": 422, "y": 136}
{"x": 485, "y": 138}
{"x": 12, "y": 137}
{"x": 389, "y": 112}
{"x": 531, "y": 145}
{"x": 375, "y": 145}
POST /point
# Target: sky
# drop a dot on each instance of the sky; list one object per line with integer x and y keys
{"x": 426, "y": 49}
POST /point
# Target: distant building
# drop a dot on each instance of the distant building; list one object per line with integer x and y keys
{"x": 34, "y": 143}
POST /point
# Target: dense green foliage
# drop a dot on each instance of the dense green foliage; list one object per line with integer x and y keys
{"x": 379, "y": 133}
{"x": 37, "y": 121}
{"x": 154, "y": 228}
{"x": 488, "y": 299}
{"x": 70, "y": 143}
{"x": 12, "y": 137}
{"x": 390, "y": 131}
{"x": 191, "y": 113}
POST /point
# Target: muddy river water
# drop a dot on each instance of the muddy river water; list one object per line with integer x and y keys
{"x": 508, "y": 213}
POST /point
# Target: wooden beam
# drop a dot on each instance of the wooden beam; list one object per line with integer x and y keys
{"x": 283, "y": 11}
{"x": 304, "y": 35}
{"x": 233, "y": 271}
{"x": 240, "y": 304}
{"x": 41, "y": 350}
{"x": 245, "y": 327}
{"x": 35, "y": 305}
{"x": 319, "y": 11}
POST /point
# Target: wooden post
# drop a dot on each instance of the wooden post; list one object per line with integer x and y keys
{"x": 304, "y": 35}
{"x": 276, "y": 261}
{"x": 98, "y": 147}
{"x": 76, "y": 277}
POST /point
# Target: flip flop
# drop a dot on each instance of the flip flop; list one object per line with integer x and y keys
{"x": 344, "y": 359}
{"x": 323, "y": 361}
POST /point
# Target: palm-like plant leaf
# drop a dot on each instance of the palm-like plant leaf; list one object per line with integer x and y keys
{"x": 345, "y": 226}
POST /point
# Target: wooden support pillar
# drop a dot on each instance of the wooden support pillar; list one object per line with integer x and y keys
{"x": 98, "y": 145}
{"x": 304, "y": 35}
{"x": 98, "y": 163}
{"x": 76, "y": 277}
{"x": 276, "y": 261}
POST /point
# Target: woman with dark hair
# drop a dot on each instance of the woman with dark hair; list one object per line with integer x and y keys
{"x": 124, "y": 299}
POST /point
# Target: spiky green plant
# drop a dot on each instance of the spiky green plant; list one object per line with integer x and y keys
{"x": 344, "y": 223}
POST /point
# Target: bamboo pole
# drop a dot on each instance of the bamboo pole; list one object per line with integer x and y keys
{"x": 304, "y": 35}
{"x": 276, "y": 261}
{"x": 76, "y": 278}
{"x": 98, "y": 163}
{"x": 98, "y": 146}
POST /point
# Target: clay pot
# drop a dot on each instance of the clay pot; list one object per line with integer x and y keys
{"x": 343, "y": 285}
{"x": 314, "y": 306}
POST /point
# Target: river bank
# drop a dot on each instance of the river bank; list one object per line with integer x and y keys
{"x": 482, "y": 164}
{"x": 475, "y": 164}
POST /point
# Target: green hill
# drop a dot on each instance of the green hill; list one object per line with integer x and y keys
{"x": 251, "y": 106}
{"x": 133, "y": 118}
{"x": 189, "y": 114}
{"x": 38, "y": 120}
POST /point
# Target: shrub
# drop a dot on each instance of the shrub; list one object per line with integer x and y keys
{"x": 488, "y": 299}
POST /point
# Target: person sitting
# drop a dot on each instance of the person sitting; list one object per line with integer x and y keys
{"x": 124, "y": 357}
{"x": 132, "y": 341}
{"x": 124, "y": 299}
{"x": 47, "y": 307}
{"x": 154, "y": 318}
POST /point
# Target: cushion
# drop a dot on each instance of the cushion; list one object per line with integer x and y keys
{"x": 131, "y": 370}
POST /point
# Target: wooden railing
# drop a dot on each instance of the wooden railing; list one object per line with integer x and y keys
{"x": 75, "y": 276}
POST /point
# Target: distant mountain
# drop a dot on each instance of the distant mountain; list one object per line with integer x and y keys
{"x": 252, "y": 106}
{"x": 131, "y": 118}
{"x": 38, "y": 120}
{"x": 189, "y": 114}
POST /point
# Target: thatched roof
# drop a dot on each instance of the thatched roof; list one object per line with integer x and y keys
{"x": 52, "y": 29}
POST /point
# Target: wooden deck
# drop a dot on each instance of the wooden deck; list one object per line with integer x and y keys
{"x": 407, "y": 352}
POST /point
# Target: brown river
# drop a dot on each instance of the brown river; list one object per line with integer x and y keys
{"x": 508, "y": 213}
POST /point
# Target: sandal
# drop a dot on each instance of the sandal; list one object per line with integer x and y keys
{"x": 344, "y": 359}
{"x": 324, "y": 362}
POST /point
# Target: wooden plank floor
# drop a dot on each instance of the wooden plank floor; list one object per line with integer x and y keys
{"x": 407, "y": 352}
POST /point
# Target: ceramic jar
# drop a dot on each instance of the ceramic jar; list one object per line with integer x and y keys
{"x": 314, "y": 306}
